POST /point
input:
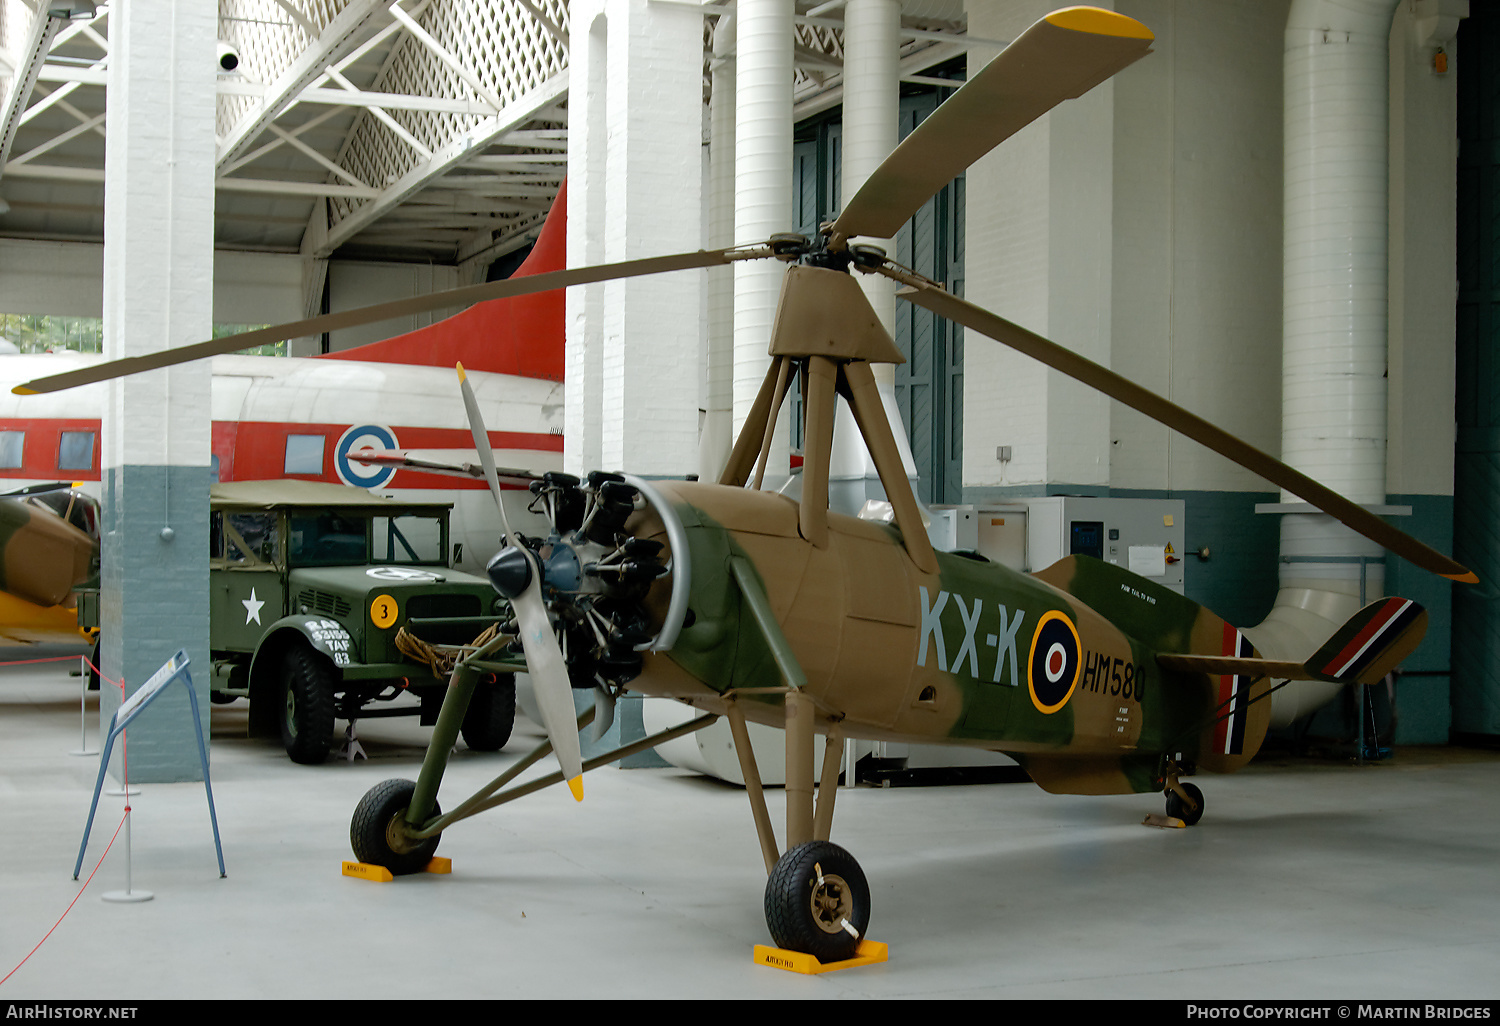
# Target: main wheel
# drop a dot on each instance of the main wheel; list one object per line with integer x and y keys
{"x": 491, "y": 714}
{"x": 375, "y": 832}
{"x": 307, "y": 709}
{"x": 1179, "y": 809}
{"x": 817, "y": 901}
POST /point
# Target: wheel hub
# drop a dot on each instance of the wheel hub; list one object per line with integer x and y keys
{"x": 397, "y": 837}
{"x": 831, "y": 903}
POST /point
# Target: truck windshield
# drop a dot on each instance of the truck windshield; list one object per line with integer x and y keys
{"x": 327, "y": 539}
{"x": 412, "y": 538}
{"x": 244, "y": 539}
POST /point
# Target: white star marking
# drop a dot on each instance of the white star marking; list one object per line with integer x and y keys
{"x": 252, "y": 607}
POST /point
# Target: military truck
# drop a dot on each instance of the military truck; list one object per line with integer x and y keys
{"x": 326, "y": 602}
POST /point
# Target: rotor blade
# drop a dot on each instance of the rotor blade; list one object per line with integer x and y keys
{"x": 401, "y": 458}
{"x": 930, "y": 296}
{"x": 1064, "y": 55}
{"x": 466, "y": 296}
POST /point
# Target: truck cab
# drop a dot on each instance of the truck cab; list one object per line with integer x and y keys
{"x": 325, "y": 602}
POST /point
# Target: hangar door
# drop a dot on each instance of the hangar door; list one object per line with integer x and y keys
{"x": 929, "y": 386}
{"x": 1476, "y": 472}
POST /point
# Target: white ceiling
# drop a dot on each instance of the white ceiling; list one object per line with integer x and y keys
{"x": 426, "y": 130}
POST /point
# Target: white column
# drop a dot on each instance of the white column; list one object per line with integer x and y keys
{"x": 718, "y": 407}
{"x": 158, "y": 293}
{"x": 872, "y": 95}
{"x": 763, "y": 191}
{"x": 643, "y": 111}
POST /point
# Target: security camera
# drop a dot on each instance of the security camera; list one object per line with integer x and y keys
{"x": 229, "y": 57}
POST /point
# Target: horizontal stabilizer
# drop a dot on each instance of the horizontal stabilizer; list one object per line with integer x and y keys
{"x": 1363, "y": 651}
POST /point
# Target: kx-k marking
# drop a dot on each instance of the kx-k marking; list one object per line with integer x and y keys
{"x": 1004, "y": 643}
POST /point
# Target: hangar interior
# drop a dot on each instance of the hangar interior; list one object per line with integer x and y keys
{"x": 1280, "y": 220}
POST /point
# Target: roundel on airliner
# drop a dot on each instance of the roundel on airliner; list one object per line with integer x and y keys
{"x": 363, "y": 475}
{"x": 1052, "y": 669}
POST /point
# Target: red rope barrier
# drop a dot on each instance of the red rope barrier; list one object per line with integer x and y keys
{"x": 71, "y": 903}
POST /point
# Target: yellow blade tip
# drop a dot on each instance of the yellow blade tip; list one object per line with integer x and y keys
{"x": 23, "y": 390}
{"x": 1469, "y": 578}
{"x": 576, "y": 786}
{"x": 1099, "y": 22}
{"x": 460, "y": 367}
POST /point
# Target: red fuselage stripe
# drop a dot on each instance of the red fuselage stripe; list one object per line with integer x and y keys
{"x": 256, "y": 450}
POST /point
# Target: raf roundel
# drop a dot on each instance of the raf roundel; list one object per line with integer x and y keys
{"x": 363, "y": 475}
{"x": 1052, "y": 669}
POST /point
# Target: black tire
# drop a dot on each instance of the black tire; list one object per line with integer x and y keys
{"x": 1179, "y": 809}
{"x": 307, "y": 705}
{"x": 93, "y": 668}
{"x": 491, "y": 714}
{"x": 805, "y": 915}
{"x": 374, "y": 831}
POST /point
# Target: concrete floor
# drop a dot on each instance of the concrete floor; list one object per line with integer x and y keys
{"x": 1305, "y": 880}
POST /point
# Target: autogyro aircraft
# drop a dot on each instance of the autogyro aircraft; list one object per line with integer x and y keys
{"x": 760, "y": 608}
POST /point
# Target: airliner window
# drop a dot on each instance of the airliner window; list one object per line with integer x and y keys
{"x": 410, "y": 539}
{"x": 76, "y": 451}
{"x": 304, "y": 454}
{"x": 12, "y": 449}
{"x": 327, "y": 539}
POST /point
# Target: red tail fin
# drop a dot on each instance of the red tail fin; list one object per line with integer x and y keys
{"x": 522, "y": 335}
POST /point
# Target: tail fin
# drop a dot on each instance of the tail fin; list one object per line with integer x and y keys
{"x": 1363, "y": 651}
{"x": 1372, "y": 643}
{"x": 521, "y": 335}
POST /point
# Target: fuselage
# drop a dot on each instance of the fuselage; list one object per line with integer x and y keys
{"x": 975, "y": 654}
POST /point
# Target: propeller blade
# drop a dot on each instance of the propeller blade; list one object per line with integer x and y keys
{"x": 932, "y": 297}
{"x": 482, "y": 446}
{"x": 544, "y": 658}
{"x": 465, "y": 296}
{"x": 1064, "y": 55}
{"x": 549, "y": 675}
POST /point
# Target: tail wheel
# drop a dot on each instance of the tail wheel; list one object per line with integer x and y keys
{"x": 377, "y": 834}
{"x": 307, "y": 705}
{"x": 1179, "y": 809}
{"x": 817, "y": 901}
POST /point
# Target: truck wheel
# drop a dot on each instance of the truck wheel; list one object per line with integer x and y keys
{"x": 307, "y": 709}
{"x": 375, "y": 832}
{"x": 491, "y": 714}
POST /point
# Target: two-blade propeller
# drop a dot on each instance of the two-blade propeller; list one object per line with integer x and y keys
{"x": 544, "y": 659}
{"x": 1063, "y": 55}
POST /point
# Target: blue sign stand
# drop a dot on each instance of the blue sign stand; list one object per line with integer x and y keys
{"x": 173, "y": 670}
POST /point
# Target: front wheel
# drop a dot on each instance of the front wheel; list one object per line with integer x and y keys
{"x": 491, "y": 714}
{"x": 817, "y": 901}
{"x": 377, "y": 834}
{"x": 307, "y": 705}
